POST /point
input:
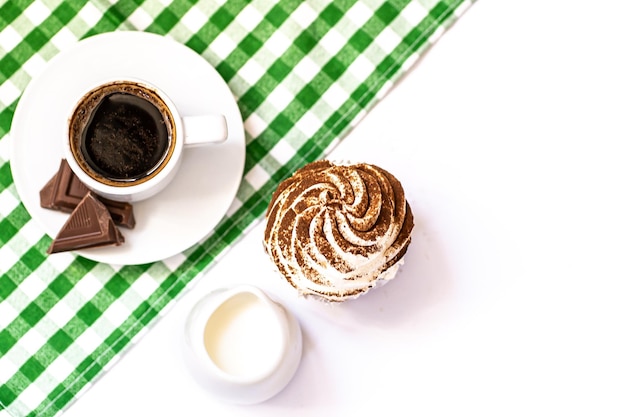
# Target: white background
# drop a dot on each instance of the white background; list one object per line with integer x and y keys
{"x": 508, "y": 136}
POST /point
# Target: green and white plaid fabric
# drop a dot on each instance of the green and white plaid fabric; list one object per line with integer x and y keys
{"x": 303, "y": 73}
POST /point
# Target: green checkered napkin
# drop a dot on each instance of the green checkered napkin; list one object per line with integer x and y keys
{"x": 303, "y": 73}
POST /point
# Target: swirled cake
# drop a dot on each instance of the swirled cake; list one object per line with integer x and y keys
{"x": 336, "y": 230}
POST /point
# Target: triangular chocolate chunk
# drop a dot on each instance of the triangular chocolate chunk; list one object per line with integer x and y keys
{"x": 46, "y": 195}
{"x": 89, "y": 225}
{"x": 64, "y": 191}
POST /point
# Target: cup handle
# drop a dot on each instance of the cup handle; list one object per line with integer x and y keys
{"x": 207, "y": 128}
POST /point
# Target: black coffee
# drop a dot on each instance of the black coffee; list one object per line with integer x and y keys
{"x": 125, "y": 138}
{"x": 122, "y": 133}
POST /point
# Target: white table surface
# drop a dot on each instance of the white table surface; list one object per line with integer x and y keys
{"x": 510, "y": 139}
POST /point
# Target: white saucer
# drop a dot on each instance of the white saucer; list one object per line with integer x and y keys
{"x": 207, "y": 182}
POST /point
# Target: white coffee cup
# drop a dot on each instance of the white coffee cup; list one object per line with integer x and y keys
{"x": 125, "y": 138}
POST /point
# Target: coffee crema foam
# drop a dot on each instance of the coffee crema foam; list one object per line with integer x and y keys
{"x": 336, "y": 230}
{"x": 122, "y": 133}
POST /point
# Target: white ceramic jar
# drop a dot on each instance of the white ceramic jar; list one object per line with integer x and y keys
{"x": 241, "y": 345}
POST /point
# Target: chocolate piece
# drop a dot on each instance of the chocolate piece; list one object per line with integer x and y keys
{"x": 64, "y": 191}
{"x": 89, "y": 225}
{"x": 46, "y": 195}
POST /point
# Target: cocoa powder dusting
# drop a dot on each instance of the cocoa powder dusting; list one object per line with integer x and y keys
{"x": 374, "y": 208}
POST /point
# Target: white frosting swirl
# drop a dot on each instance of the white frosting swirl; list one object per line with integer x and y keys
{"x": 336, "y": 230}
